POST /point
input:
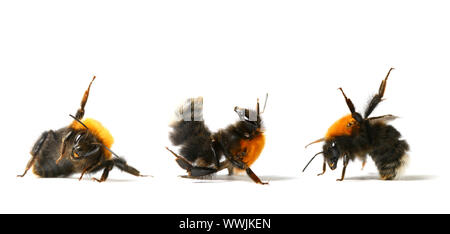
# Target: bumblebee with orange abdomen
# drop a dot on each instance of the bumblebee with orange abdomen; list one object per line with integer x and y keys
{"x": 354, "y": 136}
{"x": 82, "y": 147}
{"x": 203, "y": 153}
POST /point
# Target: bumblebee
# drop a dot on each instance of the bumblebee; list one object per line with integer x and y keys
{"x": 82, "y": 147}
{"x": 203, "y": 153}
{"x": 354, "y": 136}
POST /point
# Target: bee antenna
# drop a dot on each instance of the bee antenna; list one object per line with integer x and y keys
{"x": 257, "y": 107}
{"x": 311, "y": 161}
{"x": 112, "y": 152}
{"x": 79, "y": 121}
{"x": 314, "y": 142}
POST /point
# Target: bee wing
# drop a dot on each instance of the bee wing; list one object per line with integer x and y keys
{"x": 382, "y": 119}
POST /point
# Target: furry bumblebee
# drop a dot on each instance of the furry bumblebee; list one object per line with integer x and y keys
{"x": 354, "y": 136}
{"x": 82, "y": 147}
{"x": 203, "y": 153}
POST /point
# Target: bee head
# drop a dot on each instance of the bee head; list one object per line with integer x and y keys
{"x": 331, "y": 153}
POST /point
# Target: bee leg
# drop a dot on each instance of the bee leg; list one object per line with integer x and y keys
{"x": 108, "y": 167}
{"x": 80, "y": 112}
{"x": 324, "y": 168}
{"x": 239, "y": 157}
{"x": 182, "y": 162}
{"x": 86, "y": 170}
{"x": 186, "y": 165}
{"x": 82, "y": 174}
{"x": 378, "y": 97}
{"x": 89, "y": 169}
{"x": 122, "y": 165}
{"x": 254, "y": 177}
{"x": 201, "y": 171}
{"x": 192, "y": 170}
{"x": 35, "y": 151}
{"x": 226, "y": 164}
{"x": 62, "y": 149}
{"x": 351, "y": 107}
{"x": 250, "y": 173}
{"x": 29, "y": 165}
{"x": 346, "y": 160}
{"x": 230, "y": 171}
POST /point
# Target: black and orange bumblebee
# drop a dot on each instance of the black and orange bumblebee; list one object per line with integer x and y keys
{"x": 203, "y": 153}
{"x": 82, "y": 147}
{"x": 354, "y": 136}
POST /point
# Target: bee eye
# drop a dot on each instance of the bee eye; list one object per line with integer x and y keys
{"x": 333, "y": 144}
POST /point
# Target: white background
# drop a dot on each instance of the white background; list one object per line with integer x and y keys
{"x": 149, "y": 56}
